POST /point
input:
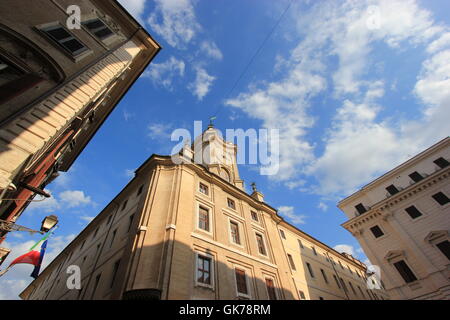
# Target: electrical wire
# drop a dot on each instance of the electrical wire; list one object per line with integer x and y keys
{"x": 253, "y": 58}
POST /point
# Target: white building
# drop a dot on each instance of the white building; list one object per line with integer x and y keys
{"x": 402, "y": 222}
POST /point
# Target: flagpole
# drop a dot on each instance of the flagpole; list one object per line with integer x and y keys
{"x": 45, "y": 237}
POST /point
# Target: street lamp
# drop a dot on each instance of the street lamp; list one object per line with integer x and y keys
{"x": 48, "y": 223}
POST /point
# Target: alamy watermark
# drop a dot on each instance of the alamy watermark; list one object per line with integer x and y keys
{"x": 262, "y": 147}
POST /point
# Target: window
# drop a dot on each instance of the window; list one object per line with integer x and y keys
{"x": 65, "y": 39}
{"x": 321, "y": 298}
{"x": 82, "y": 245}
{"x": 413, "y": 212}
{"x": 362, "y": 293}
{"x": 140, "y": 190}
{"x": 8, "y": 72}
{"x": 124, "y": 205}
{"x": 441, "y": 198}
{"x": 98, "y": 28}
{"x": 360, "y": 208}
{"x": 343, "y": 284}
{"x": 392, "y": 189}
{"x": 337, "y": 282}
{"x": 300, "y": 244}
{"x": 241, "y": 281}
{"x": 350, "y": 270}
{"x": 324, "y": 275}
{"x": 204, "y": 270}
{"x": 342, "y": 267}
{"x": 234, "y": 228}
{"x": 415, "y": 176}
{"x": 282, "y": 234}
{"x": 254, "y": 215}
{"x": 114, "y": 274}
{"x": 405, "y": 271}
{"x": 261, "y": 246}
{"x": 314, "y": 250}
{"x": 445, "y": 248}
{"x": 302, "y": 295}
{"x": 271, "y": 289}
{"x": 109, "y": 219}
{"x": 203, "y": 218}
{"x": 130, "y": 222}
{"x": 231, "y": 204}
{"x": 441, "y": 162}
{"x": 291, "y": 261}
{"x": 97, "y": 280}
{"x": 203, "y": 188}
{"x": 353, "y": 289}
{"x": 95, "y": 233}
{"x": 113, "y": 237}
{"x": 311, "y": 273}
{"x": 376, "y": 231}
{"x": 15, "y": 80}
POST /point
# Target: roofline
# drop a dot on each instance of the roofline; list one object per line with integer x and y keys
{"x": 323, "y": 244}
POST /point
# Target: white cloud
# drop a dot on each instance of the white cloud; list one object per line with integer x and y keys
{"x": 162, "y": 74}
{"x": 18, "y": 277}
{"x": 134, "y": 7}
{"x": 129, "y": 173}
{"x": 175, "y": 21}
{"x": 345, "y": 248}
{"x": 45, "y": 204}
{"x": 322, "y": 206}
{"x": 211, "y": 50}
{"x": 74, "y": 198}
{"x": 361, "y": 142}
{"x": 202, "y": 84}
{"x": 288, "y": 212}
{"x": 88, "y": 219}
{"x": 158, "y": 131}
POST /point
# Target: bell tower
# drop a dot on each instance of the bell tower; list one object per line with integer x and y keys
{"x": 217, "y": 155}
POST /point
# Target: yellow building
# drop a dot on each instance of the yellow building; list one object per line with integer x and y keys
{"x": 402, "y": 221}
{"x": 64, "y": 66}
{"x": 190, "y": 231}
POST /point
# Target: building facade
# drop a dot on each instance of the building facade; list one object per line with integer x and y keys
{"x": 402, "y": 221}
{"x": 63, "y": 69}
{"x": 187, "y": 230}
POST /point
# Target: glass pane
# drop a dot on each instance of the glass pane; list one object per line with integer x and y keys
{"x": 94, "y": 24}
{"x": 59, "y": 33}
{"x": 73, "y": 45}
{"x": 103, "y": 33}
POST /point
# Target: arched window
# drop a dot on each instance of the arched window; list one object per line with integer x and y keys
{"x": 23, "y": 65}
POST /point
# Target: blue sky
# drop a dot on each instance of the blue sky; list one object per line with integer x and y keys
{"x": 355, "y": 88}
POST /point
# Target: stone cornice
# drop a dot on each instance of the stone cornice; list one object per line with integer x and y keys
{"x": 382, "y": 208}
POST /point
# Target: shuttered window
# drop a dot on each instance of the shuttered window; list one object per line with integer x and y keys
{"x": 65, "y": 39}
{"x": 271, "y": 289}
{"x": 203, "y": 218}
{"x": 241, "y": 282}
{"x": 98, "y": 28}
